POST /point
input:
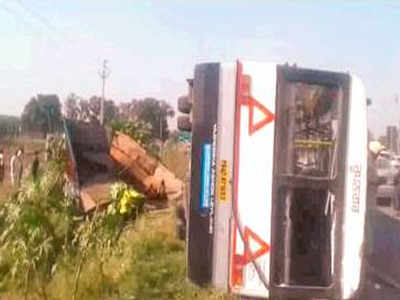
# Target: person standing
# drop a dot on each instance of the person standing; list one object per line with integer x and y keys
{"x": 35, "y": 167}
{"x": 2, "y": 166}
{"x": 17, "y": 167}
{"x": 375, "y": 149}
{"x": 49, "y": 147}
{"x": 373, "y": 181}
{"x": 396, "y": 182}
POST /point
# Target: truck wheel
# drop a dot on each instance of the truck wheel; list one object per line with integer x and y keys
{"x": 184, "y": 123}
{"x": 184, "y": 105}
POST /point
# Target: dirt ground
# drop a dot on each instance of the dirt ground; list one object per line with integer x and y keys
{"x": 10, "y": 146}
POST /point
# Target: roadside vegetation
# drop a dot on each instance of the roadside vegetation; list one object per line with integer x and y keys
{"x": 48, "y": 250}
{"x": 176, "y": 157}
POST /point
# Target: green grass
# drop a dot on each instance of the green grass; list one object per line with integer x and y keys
{"x": 158, "y": 263}
{"x": 176, "y": 158}
{"x": 150, "y": 264}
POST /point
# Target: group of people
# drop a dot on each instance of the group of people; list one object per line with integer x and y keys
{"x": 17, "y": 167}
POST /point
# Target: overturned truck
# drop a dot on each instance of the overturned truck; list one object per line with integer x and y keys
{"x": 96, "y": 160}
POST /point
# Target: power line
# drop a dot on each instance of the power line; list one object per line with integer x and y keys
{"x": 104, "y": 73}
{"x": 15, "y": 15}
{"x": 28, "y": 18}
{"x": 39, "y": 18}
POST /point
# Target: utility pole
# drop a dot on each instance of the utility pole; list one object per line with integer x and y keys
{"x": 161, "y": 131}
{"x": 396, "y": 100}
{"x": 104, "y": 73}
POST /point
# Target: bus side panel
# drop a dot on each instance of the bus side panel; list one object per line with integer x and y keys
{"x": 355, "y": 189}
{"x": 253, "y": 174}
{"x": 200, "y": 233}
{"x": 223, "y": 204}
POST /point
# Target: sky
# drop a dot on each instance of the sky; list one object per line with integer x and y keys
{"x": 49, "y": 46}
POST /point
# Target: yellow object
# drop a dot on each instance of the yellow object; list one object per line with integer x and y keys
{"x": 126, "y": 201}
{"x": 223, "y": 181}
{"x": 125, "y": 198}
{"x": 312, "y": 144}
{"x": 376, "y": 147}
{"x": 123, "y": 210}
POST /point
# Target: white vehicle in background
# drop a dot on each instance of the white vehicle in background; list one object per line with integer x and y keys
{"x": 386, "y": 154}
{"x": 386, "y": 168}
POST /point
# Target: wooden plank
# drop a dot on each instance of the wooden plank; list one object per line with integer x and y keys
{"x": 141, "y": 169}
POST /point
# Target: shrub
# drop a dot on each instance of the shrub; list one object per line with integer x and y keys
{"x": 140, "y": 131}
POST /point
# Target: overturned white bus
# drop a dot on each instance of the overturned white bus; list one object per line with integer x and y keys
{"x": 278, "y": 180}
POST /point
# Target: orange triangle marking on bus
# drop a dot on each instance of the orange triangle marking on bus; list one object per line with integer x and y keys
{"x": 247, "y": 100}
{"x": 263, "y": 246}
{"x": 268, "y": 115}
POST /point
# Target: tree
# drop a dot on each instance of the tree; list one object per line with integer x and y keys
{"x": 77, "y": 108}
{"x": 110, "y": 109}
{"x": 156, "y": 112}
{"x": 84, "y": 110}
{"x": 9, "y": 125}
{"x": 42, "y": 113}
{"x": 71, "y": 107}
{"x": 129, "y": 111}
{"x": 140, "y": 131}
{"x": 149, "y": 110}
{"x": 51, "y": 107}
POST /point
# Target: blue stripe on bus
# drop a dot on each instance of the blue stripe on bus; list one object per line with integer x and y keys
{"x": 205, "y": 191}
